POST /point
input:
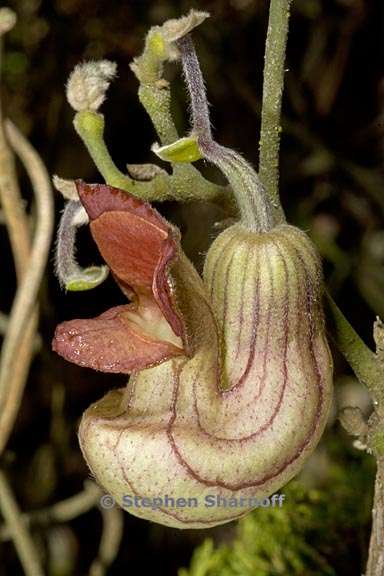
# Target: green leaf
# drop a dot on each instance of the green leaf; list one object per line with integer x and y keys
{"x": 183, "y": 150}
{"x": 88, "y": 279}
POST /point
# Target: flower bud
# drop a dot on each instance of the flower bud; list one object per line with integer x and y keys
{"x": 173, "y": 30}
{"x": 66, "y": 187}
{"x": 88, "y": 84}
{"x": 7, "y": 20}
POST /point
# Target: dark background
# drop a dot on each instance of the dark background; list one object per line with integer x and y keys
{"x": 331, "y": 186}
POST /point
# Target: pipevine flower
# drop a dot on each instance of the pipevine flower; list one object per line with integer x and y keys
{"x": 231, "y": 374}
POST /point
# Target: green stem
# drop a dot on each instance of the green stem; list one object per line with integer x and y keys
{"x": 90, "y": 127}
{"x": 273, "y": 85}
{"x": 156, "y": 99}
{"x": 185, "y": 184}
{"x": 154, "y": 90}
{"x": 362, "y": 360}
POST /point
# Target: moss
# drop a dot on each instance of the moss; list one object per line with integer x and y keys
{"x": 316, "y": 531}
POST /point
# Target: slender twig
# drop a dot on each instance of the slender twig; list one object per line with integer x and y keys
{"x": 375, "y": 566}
{"x": 4, "y": 322}
{"x": 12, "y": 370}
{"x": 113, "y": 524}
{"x": 358, "y": 355}
{"x": 11, "y": 200}
{"x": 273, "y": 85}
{"x": 184, "y": 184}
{"x": 23, "y": 541}
{"x": 368, "y": 367}
{"x": 71, "y": 508}
{"x": 13, "y": 379}
{"x": 60, "y": 512}
{"x": 18, "y": 229}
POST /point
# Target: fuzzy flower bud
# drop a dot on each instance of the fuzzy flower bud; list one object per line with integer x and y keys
{"x": 7, "y": 20}
{"x": 66, "y": 187}
{"x": 88, "y": 83}
{"x": 177, "y": 28}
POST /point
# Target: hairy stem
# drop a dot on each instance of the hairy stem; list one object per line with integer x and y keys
{"x": 375, "y": 566}
{"x": 249, "y": 192}
{"x": 154, "y": 90}
{"x": 90, "y": 127}
{"x": 361, "y": 359}
{"x": 365, "y": 364}
{"x": 70, "y": 274}
{"x": 184, "y": 184}
{"x": 273, "y": 85}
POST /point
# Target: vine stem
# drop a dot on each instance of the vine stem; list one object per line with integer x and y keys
{"x": 24, "y": 544}
{"x": 18, "y": 230}
{"x": 111, "y": 537}
{"x": 11, "y": 200}
{"x": 273, "y": 85}
{"x": 184, "y": 184}
{"x": 60, "y": 512}
{"x": 359, "y": 356}
{"x": 375, "y": 565}
{"x": 368, "y": 367}
{"x": 15, "y": 354}
{"x": 252, "y": 200}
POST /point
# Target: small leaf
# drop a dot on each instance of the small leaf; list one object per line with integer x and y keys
{"x": 183, "y": 150}
{"x": 88, "y": 279}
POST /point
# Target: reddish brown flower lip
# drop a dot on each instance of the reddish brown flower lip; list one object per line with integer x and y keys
{"x": 139, "y": 247}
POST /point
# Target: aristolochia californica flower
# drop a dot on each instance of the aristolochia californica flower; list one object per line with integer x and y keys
{"x": 88, "y": 84}
{"x": 231, "y": 374}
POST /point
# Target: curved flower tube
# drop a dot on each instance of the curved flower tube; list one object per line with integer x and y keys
{"x": 231, "y": 374}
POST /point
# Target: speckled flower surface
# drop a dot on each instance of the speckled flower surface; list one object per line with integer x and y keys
{"x": 231, "y": 373}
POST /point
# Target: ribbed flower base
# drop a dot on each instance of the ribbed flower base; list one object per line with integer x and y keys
{"x": 239, "y": 417}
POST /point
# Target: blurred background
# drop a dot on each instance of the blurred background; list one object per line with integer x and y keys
{"x": 331, "y": 186}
